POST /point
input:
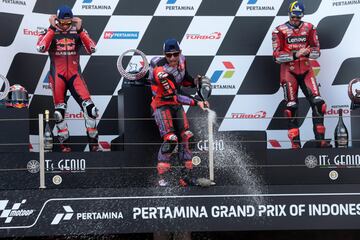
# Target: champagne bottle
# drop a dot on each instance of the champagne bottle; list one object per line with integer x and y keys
{"x": 341, "y": 134}
{"x": 48, "y": 136}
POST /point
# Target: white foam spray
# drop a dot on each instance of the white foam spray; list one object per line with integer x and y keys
{"x": 234, "y": 162}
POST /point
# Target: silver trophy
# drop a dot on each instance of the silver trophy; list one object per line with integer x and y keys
{"x": 355, "y": 98}
{"x": 133, "y": 73}
{"x": 5, "y": 82}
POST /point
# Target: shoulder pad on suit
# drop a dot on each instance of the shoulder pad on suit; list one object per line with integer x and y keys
{"x": 154, "y": 61}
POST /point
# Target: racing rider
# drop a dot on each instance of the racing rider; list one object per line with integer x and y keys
{"x": 168, "y": 75}
{"x": 295, "y": 43}
{"x": 63, "y": 40}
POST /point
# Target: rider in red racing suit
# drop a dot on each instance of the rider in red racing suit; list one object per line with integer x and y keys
{"x": 63, "y": 40}
{"x": 168, "y": 74}
{"x": 294, "y": 44}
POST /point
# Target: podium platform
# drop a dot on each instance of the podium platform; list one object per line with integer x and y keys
{"x": 14, "y": 129}
{"x": 139, "y": 210}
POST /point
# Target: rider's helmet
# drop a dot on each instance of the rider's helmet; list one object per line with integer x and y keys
{"x": 296, "y": 9}
{"x": 17, "y": 97}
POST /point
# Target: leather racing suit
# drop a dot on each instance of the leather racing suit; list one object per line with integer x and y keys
{"x": 294, "y": 72}
{"x": 65, "y": 73}
{"x": 169, "y": 114}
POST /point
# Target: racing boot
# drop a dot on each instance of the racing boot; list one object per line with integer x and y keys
{"x": 187, "y": 178}
{"x": 319, "y": 132}
{"x": 65, "y": 148}
{"x": 294, "y": 136}
{"x": 163, "y": 169}
{"x": 64, "y": 140}
{"x": 93, "y": 142}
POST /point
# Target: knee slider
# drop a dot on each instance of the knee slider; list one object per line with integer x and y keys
{"x": 186, "y": 135}
{"x": 59, "y": 113}
{"x": 319, "y": 103}
{"x": 163, "y": 167}
{"x": 291, "y": 108}
{"x": 187, "y": 138}
{"x": 90, "y": 111}
{"x": 169, "y": 144}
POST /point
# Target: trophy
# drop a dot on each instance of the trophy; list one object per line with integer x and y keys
{"x": 132, "y": 72}
{"x": 355, "y": 98}
{"x": 6, "y": 83}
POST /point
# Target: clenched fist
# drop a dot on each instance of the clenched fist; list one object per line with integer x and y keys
{"x": 302, "y": 52}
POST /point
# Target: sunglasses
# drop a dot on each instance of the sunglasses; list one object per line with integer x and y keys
{"x": 175, "y": 54}
{"x": 65, "y": 22}
{"x": 293, "y": 15}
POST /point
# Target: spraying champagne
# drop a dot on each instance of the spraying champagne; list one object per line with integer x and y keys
{"x": 204, "y": 88}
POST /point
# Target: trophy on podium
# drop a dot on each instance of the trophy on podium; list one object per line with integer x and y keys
{"x": 354, "y": 95}
{"x": 4, "y": 90}
{"x": 355, "y": 98}
{"x": 132, "y": 72}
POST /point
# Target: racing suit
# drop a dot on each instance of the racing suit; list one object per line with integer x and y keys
{"x": 65, "y": 73}
{"x": 294, "y": 72}
{"x": 170, "y": 117}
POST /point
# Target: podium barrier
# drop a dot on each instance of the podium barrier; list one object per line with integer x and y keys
{"x": 256, "y": 188}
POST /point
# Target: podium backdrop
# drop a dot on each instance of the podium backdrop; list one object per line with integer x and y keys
{"x": 229, "y": 41}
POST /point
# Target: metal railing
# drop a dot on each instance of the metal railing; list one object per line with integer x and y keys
{"x": 210, "y": 149}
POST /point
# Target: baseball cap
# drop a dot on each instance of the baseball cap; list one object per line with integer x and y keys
{"x": 64, "y": 12}
{"x": 171, "y": 45}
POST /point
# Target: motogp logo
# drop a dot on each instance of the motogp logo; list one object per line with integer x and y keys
{"x": 14, "y": 211}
